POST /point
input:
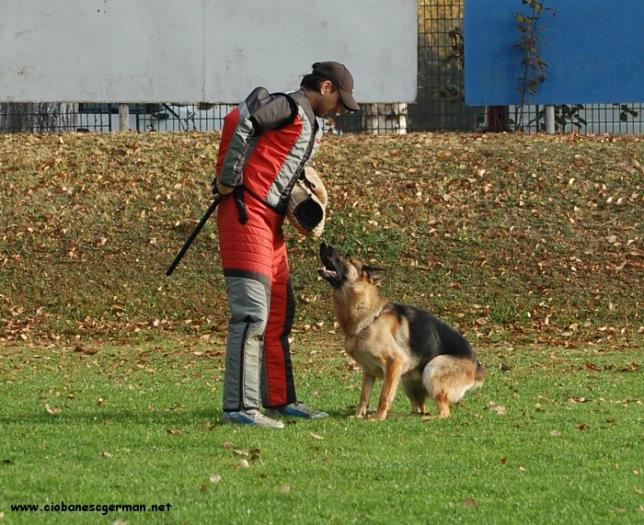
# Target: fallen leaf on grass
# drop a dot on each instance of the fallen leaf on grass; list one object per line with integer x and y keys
{"x": 470, "y": 502}
{"x": 498, "y": 409}
{"x": 53, "y": 411}
{"x": 208, "y": 426}
{"x": 85, "y": 351}
{"x": 215, "y": 478}
{"x": 209, "y": 354}
{"x": 252, "y": 454}
{"x": 173, "y": 431}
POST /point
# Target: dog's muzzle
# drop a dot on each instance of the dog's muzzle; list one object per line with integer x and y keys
{"x": 332, "y": 268}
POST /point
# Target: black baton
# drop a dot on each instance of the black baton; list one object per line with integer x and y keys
{"x": 194, "y": 233}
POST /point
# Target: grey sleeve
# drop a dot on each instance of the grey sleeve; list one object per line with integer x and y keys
{"x": 270, "y": 110}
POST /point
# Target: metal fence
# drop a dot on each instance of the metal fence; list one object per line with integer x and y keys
{"x": 439, "y": 104}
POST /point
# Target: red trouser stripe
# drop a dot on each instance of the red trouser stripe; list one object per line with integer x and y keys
{"x": 276, "y": 351}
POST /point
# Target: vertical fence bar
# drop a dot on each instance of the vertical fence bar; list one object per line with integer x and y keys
{"x": 124, "y": 117}
{"x": 550, "y": 119}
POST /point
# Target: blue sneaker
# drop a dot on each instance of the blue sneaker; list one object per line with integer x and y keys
{"x": 251, "y": 417}
{"x": 298, "y": 409}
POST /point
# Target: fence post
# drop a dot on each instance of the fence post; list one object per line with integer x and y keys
{"x": 124, "y": 117}
{"x": 550, "y": 119}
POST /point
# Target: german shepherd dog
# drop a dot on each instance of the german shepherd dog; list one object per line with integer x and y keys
{"x": 394, "y": 341}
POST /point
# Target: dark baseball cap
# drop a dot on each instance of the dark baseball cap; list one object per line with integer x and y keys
{"x": 341, "y": 78}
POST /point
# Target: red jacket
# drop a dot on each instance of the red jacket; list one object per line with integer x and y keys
{"x": 265, "y": 143}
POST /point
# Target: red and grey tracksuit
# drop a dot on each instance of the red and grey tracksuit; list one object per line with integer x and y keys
{"x": 265, "y": 143}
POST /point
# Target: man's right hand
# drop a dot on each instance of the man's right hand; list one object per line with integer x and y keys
{"x": 221, "y": 188}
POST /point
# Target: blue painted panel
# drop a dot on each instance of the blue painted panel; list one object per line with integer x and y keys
{"x": 594, "y": 50}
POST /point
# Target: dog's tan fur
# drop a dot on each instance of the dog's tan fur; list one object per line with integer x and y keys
{"x": 379, "y": 338}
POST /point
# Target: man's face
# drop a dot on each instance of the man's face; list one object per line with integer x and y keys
{"x": 330, "y": 103}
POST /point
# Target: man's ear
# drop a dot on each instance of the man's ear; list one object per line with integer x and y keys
{"x": 375, "y": 275}
{"x": 326, "y": 86}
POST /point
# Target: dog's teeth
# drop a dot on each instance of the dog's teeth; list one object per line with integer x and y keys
{"x": 327, "y": 272}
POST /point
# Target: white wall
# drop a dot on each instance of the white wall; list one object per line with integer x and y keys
{"x": 201, "y": 50}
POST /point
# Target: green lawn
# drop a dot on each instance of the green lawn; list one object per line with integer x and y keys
{"x": 110, "y": 373}
{"x": 554, "y": 436}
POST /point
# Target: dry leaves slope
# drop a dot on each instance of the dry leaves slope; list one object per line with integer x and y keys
{"x": 510, "y": 237}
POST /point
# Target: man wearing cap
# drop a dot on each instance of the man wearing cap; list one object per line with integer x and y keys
{"x": 266, "y": 142}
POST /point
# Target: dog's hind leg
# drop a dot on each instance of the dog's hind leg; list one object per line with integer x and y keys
{"x": 447, "y": 379}
{"x": 420, "y": 407}
{"x": 418, "y": 404}
{"x": 365, "y": 394}
{"x": 443, "y": 404}
{"x": 393, "y": 371}
{"x": 416, "y": 393}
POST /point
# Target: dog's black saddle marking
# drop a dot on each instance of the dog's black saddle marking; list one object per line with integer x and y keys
{"x": 430, "y": 336}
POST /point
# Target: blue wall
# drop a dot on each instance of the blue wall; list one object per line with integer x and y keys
{"x": 594, "y": 50}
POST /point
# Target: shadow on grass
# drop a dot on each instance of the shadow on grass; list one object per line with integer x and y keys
{"x": 168, "y": 417}
{"x": 118, "y": 416}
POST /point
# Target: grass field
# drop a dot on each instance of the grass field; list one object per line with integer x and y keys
{"x": 110, "y": 373}
{"x": 553, "y": 437}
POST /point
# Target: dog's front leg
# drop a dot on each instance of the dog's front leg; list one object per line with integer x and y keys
{"x": 365, "y": 394}
{"x": 393, "y": 371}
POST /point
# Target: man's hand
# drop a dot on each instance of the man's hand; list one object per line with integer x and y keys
{"x": 221, "y": 188}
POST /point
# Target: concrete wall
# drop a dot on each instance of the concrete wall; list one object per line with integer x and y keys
{"x": 201, "y": 50}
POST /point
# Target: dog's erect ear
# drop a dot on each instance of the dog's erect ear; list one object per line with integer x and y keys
{"x": 374, "y": 274}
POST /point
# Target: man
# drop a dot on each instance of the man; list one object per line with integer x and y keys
{"x": 265, "y": 143}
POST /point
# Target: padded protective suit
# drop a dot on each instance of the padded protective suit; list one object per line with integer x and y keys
{"x": 265, "y": 143}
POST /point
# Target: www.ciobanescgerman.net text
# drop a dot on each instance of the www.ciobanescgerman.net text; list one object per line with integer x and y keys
{"x": 103, "y": 508}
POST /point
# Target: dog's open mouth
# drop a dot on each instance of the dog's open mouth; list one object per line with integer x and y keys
{"x": 331, "y": 269}
{"x": 329, "y": 275}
